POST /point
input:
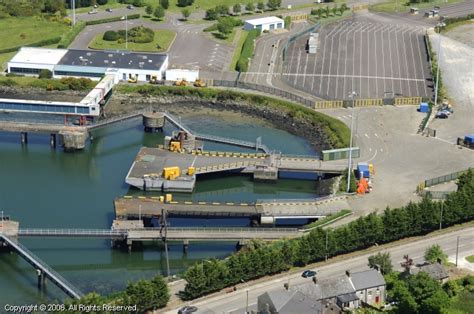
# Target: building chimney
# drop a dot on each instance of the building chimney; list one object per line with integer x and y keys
{"x": 348, "y": 273}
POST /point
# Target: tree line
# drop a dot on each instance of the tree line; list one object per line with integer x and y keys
{"x": 393, "y": 224}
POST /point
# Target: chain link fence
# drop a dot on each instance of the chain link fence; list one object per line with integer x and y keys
{"x": 442, "y": 179}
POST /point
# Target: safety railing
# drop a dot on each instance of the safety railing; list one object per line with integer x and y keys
{"x": 72, "y": 232}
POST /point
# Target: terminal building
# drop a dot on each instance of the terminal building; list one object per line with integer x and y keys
{"x": 93, "y": 64}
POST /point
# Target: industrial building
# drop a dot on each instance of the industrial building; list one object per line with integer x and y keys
{"x": 89, "y": 63}
{"x": 264, "y": 24}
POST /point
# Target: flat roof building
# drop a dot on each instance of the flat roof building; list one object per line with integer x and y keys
{"x": 264, "y": 24}
{"x": 93, "y": 64}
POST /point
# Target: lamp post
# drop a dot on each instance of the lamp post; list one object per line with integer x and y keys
{"x": 438, "y": 56}
{"x": 441, "y": 216}
{"x": 349, "y": 166}
{"x": 73, "y": 7}
{"x": 126, "y": 32}
{"x": 247, "y": 292}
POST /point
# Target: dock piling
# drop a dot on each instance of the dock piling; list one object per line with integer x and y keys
{"x": 24, "y": 138}
{"x": 185, "y": 246}
{"x": 52, "y": 140}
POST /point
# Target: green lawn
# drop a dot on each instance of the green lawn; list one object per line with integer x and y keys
{"x": 454, "y": 25}
{"x": 238, "y": 49}
{"x": 228, "y": 40}
{"x": 470, "y": 258}
{"x": 404, "y": 6}
{"x": 463, "y": 303}
{"x": 4, "y": 58}
{"x": 17, "y": 31}
{"x": 331, "y": 18}
{"x": 163, "y": 39}
{"x": 328, "y": 219}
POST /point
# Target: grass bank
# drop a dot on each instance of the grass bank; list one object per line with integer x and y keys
{"x": 337, "y": 132}
{"x": 327, "y": 220}
{"x": 238, "y": 50}
{"x": 162, "y": 41}
{"x": 68, "y": 83}
{"x": 401, "y": 6}
{"x": 470, "y": 258}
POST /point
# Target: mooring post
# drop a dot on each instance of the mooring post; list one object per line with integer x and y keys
{"x": 185, "y": 246}
{"x": 52, "y": 140}
{"x": 129, "y": 246}
{"x": 40, "y": 276}
{"x": 24, "y": 137}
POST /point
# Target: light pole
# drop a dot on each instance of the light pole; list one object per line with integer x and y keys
{"x": 73, "y": 7}
{"x": 349, "y": 166}
{"x": 247, "y": 292}
{"x": 441, "y": 216}
{"x": 457, "y": 251}
{"x": 126, "y": 32}
{"x": 326, "y": 259}
{"x": 438, "y": 56}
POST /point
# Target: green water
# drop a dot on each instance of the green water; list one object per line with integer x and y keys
{"x": 44, "y": 188}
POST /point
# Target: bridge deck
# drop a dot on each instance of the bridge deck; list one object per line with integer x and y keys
{"x": 51, "y": 274}
{"x": 151, "y": 207}
{"x": 7, "y": 126}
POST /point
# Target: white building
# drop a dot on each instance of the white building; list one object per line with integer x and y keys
{"x": 264, "y": 24}
{"x": 181, "y": 74}
{"x": 89, "y": 63}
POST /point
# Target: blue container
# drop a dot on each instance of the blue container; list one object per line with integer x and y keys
{"x": 363, "y": 170}
{"x": 469, "y": 139}
{"x": 424, "y": 107}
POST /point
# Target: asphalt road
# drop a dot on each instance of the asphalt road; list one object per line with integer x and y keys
{"x": 235, "y": 302}
{"x": 372, "y": 58}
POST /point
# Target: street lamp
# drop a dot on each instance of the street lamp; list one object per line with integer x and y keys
{"x": 438, "y": 56}
{"x": 247, "y": 292}
{"x": 349, "y": 167}
{"x": 73, "y": 7}
{"x": 126, "y": 30}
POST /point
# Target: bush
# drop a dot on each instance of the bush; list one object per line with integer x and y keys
{"x": 184, "y": 3}
{"x": 211, "y": 15}
{"x": 77, "y": 83}
{"x": 141, "y": 34}
{"x": 8, "y": 82}
{"x": 247, "y": 51}
{"x": 287, "y": 22}
{"x": 69, "y": 37}
{"x": 113, "y": 19}
{"x": 45, "y": 74}
{"x": 110, "y": 36}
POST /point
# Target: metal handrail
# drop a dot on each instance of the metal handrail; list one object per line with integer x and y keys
{"x": 73, "y": 291}
{"x": 299, "y": 200}
{"x": 117, "y": 119}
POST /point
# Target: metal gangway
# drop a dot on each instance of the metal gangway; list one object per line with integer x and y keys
{"x": 79, "y": 233}
{"x": 131, "y": 115}
{"x": 257, "y": 145}
{"x": 42, "y": 267}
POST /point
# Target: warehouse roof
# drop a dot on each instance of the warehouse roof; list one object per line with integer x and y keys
{"x": 265, "y": 20}
{"x": 38, "y": 55}
{"x": 114, "y": 59}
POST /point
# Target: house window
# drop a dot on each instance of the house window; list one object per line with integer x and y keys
{"x": 124, "y": 76}
{"x": 148, "y": 77}
{"x": 272, "y": 26}
{"x": 279, "y": 25}
{"x": 361, "y": 292}
{"x": 370, "y": 293}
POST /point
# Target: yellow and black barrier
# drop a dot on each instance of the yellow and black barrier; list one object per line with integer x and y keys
{"x": 298, "y": 17}
{"x": 408, "y": 100}
{"x": 368, "y": 102}
{"x": 328, "y": 104}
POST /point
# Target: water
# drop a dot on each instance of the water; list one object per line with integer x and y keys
{"x": 44, "y": 188}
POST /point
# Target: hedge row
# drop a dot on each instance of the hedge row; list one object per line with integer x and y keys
{"x": 451, "y": 20}
{"x": 336, "y": 131}
{"x": 394, "y": 224}
{"x": 44, "y": 42}
{"x": 113, "y": 19}
{"x": 69, "y": 37}
{"x": 247, "y": 51}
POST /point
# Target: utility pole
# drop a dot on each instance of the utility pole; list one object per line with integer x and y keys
{"x": 326, "y": 259}
{"x": 163, "y": 233}
{"x": 73, "y": 7}
{"x": 247, "y": 303}
{"x": 126, "y": 32}
{"x": 349, "y": 167}
{"x": 438, "y": 57}
{"x": 457, "y": 251}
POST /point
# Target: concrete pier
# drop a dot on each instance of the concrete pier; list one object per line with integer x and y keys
{"x": 153, "y": 121}
{"x": 73, "y": 140}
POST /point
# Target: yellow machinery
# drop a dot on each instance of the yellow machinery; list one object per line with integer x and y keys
{"x": 175, "y": 146}
{"x": 162, "y": 199}
{"x": 191, "y": 171}
{"x": 133, "y": 79}
{"x": 154, "y": 79}
{"x": 181, "y": 83}
{"x": 199, "y": 83}
{"x": 168, "y": 198}
{"x": 171, "y": 173}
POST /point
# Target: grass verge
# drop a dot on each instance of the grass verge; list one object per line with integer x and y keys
{"x": 328, "y": 219}
{"x": 238, "y": 50}
{"x": 336, "y": 131}
{"x": 331, "y": 18}
{"x": 470, "y": 258}
{"x": 20, "y": 31}
{"x": 162, "y": 41}
{"x": 454, "y": 25}
{"x": 400, "y": 6}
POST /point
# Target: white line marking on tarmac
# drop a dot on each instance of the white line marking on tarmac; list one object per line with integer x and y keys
{"x": 376, "y": 135}
{"x": 371, "y": 158}
{"x": 366, "y": 135}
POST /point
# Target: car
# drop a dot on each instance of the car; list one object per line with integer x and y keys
{"x": 92, "y": 12}
{"x": 441, "y": 115}
{"x": 130, "y": 7}
{"x": 108, "y": 10}
{"x": 308, "y": 273}
{"x": 187, "y": 309}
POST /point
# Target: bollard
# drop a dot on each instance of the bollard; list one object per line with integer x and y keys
{"x": 52, "y": 140}
{"x": 24, "y": 137}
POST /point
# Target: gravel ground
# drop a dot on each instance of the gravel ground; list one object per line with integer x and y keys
{"x": 463, "y": 33}
{"x": 457, "y": 68}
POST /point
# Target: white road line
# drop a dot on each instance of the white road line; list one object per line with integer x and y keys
{"x": 391, "y": 59}
{"x": 345, "y": 32}
{"x": 349, "y": 76}
{"x": 305, "y": 67}
{"x": 341, "y": 27}
{"x": 406, "y": 61}
{"x": 314, "y": 68}
{"x": 324, "y": 56}
{"x": 414, "y": 63}
{"x": 298, "y": 65}
{"x": 376, "y": 135}
{"x": 366, "y": 135}
{"x": 373, "y": 156}
{"x": 398, "y": 58}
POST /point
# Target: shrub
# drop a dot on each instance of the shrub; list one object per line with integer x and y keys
{"x": 8, "y": 82}
{"x": 113, "y": 19}
{"x": 247, "y": 51}
{"x": 45, "y": 74}
{"x": 110, "y": 36}
{"x": 211, "y": 14}
{"x": 141, "y": 34}
{"x": 165, "y": 4}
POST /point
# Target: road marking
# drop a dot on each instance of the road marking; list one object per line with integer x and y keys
{"x": 391, "y": 59}
{"x": 366, "y": 135}
{"x": 412, "y": 57}
{"x": 305, "y": 67}
{"x": 324, "y": 56}
{"x": 406, "y": 57}
{"x": 341, "y": 27}
{"x": 298, "y": 65}
{"x": 376, "y": 135}
{"x": 373, "y": 156}
{"x": 421, "y": 66}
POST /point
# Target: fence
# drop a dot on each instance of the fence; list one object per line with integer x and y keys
{"x": 328, "y": 104}
{"x": 298, "y": 17}
{"x": 436, "y": 195}
{"x": 297, "y": 35}
{"x": 442, "y": 179}
{"x": 265, "y": 89}
{"x": 342, "y": 153}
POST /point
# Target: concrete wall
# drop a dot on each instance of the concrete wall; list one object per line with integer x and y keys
{"x": 369, "y": 295}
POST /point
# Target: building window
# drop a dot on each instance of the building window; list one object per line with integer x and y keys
{"x": 69, "y": 73}
{"x": 25, "y": 70}
{"x": 370, "y": 293}
{"x": 124, "y": 76}
{"x": 148, "y": 77}
{"x": 279, "y": 25}
{"x": 272, "y": 26}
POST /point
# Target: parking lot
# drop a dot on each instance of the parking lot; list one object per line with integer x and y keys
{"x": 372, "y": 58}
